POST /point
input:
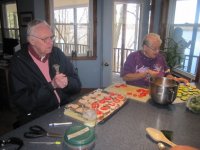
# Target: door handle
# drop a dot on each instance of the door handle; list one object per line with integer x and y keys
{"x": 106, "y": 64}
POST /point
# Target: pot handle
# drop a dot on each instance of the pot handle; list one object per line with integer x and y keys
{"x": 172, "y": 91}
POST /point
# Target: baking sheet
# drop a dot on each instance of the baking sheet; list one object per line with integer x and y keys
{"x": 78, "y": 116}
{"x": 93, "y": 95}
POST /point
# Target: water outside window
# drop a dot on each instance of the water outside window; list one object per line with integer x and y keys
{"x": 187, "y": 19}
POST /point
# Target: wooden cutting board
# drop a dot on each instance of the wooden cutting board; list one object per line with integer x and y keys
{"x": 131, "y": 92}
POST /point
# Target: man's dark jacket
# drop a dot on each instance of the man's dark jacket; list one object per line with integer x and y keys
{"x": 32, "y": 94}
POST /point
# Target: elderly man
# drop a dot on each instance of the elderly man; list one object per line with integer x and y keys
{"x": 145, "y": 63}
{"x": 42, "y": 77}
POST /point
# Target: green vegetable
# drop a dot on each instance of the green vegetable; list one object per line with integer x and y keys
{"x": 193, "y": 104}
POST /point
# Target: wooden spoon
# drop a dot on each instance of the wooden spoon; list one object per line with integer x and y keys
{"x": 158, "y": 136}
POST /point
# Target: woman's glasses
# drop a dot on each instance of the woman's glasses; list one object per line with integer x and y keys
{"x": 153, "y": 49}
{"x": 11, "y": 140}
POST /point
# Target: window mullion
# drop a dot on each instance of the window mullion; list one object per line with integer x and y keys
{"x": 194, "y": 35}
{"x": 75, "y": 30}
{"x": 123, "y": 34}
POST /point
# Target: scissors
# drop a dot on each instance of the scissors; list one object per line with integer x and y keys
{"x": 37, "y": 131}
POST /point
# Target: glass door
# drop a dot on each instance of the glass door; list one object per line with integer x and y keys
{"x": 125, "y": 32}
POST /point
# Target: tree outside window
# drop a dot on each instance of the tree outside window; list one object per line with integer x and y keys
{"x": 72, "y": 28}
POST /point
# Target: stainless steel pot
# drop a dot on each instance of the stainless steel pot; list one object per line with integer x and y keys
{"x": 163, "y": 90}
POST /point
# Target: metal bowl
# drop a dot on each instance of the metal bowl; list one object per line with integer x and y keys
{"x": 163, "y": 90}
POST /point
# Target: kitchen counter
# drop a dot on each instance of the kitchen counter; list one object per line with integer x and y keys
{"x": 125, "y": 130}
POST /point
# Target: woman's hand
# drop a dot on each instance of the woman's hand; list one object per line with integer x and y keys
{"x": 152, "y": 73}
{"x": 185, "y": 81}
{"x": 181, "y": 80}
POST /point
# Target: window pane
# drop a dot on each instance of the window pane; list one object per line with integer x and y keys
{"x": 71, "y": 20}
{"x": 82, "y": 33}
{"x": 185, "y": 11}
{"x": 132, "y": 26}
{"x": 131, "y": 19}
{"x": 117, "y": 25}
{"x": 185, "y": 38}
{"x": 199, "y": 19}
{"x": 67, "y": 35}
{"x": 82, "y": 15}
{"x": 64, "y": 16}
{"x": 11, "y": 26}
{"x": 125, "y": 32}
{"x": 182, "y": 35}
{"x": 197, "y": 44}
{"x": 185, "y": 19}
{"x": 11, "y": 13}
{"x": 65, "y": 41}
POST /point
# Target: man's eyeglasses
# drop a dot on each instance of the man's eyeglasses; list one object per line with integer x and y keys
{"x": 12, "y": 140}
{"x": 45, "y": 40}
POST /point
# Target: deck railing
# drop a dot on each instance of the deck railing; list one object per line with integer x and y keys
{"x": 12, "y": 33}
{"x": 72, "y": 49}
{"x": 118, "y": 61}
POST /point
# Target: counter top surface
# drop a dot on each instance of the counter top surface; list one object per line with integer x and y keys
{"x": 125, "y": 130}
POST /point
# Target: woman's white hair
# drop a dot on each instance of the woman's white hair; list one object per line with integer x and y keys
{"x": 149, "y": 36}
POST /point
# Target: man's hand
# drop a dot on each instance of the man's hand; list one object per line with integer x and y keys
{"x": 60, "y": 81}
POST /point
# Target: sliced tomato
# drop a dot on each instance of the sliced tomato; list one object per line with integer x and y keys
{"x": 129, "y": 93}
{"x": 135, "y": 95}
{"x": 111, "y": 104}
{"x": 102, "y": 101}
{"x": 120, "y": 96}
{"x": 95, "y": 105}
{"x": 116, "y": 100}
{"x": 123, "y": 85}
{"x": 111, "y": 93}
{"x": 107, "y": 98}
{"x": 141, "y": 90}
{"x": 138, "y": 90}
{"x": 98, "y": 112}
{"x": 117, "y": 86}
{"x": 105, "y": 108}
{"x": 142, "y": 95}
